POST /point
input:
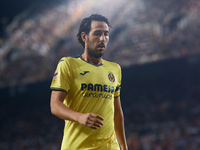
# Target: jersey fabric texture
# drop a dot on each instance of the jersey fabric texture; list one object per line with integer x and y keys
{"x": 90, "y": 89}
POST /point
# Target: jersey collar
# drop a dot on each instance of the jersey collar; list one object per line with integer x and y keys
{"x": 90, "y": 63}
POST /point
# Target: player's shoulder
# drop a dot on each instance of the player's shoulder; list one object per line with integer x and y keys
{"x": 110, "y": 63}
{"x": 69, "y": 58}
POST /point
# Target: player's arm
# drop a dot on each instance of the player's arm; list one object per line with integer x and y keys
{"x": 119, "y": 124}
{"x": 62, "y": 111}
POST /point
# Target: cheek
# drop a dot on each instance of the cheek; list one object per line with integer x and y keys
{"x": 107, "y": 39}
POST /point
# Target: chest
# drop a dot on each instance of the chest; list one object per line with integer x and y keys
{"x": 95, "y": 78}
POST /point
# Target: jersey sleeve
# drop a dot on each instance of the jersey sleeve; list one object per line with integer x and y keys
{"x": 62, "y": 76}
{"x": 117, "y": 90}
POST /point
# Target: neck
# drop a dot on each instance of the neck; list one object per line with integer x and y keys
{"x": 92, "y": 60}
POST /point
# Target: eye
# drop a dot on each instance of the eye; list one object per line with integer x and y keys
{"x": 106, "y": 33}
{"x": 97, "y": 33}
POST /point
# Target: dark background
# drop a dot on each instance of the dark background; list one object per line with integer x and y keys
{"x": 9, "y": 9}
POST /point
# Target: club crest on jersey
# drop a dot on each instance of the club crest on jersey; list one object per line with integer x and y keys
{"x": 111, "y": 77}
{"x": 55, "y": 75}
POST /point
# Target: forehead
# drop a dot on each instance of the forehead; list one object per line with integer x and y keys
{"x": 99, "y": 25}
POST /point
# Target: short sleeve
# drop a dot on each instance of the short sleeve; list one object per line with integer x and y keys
{"x": 62, "y": 76}
{"x": 118, "y": 88}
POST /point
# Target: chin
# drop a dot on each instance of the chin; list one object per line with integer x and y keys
{"x": 99, "y": 55}
{"x": 95, "y": 53}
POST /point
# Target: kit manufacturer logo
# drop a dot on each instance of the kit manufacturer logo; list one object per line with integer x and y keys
{"x": 84, "y": 73}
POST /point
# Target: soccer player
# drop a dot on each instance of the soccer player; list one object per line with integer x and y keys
{"x": 86, "y": 93}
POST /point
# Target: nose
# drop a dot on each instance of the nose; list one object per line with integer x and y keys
{"x": 102, "y": 38}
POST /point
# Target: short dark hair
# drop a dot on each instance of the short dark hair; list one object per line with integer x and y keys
{"x": 85, "y": 25}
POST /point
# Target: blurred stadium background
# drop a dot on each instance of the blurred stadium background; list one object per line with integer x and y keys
{"x": 157, "y": 43}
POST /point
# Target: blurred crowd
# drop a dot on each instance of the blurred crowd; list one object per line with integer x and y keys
{"x": 144, "y": 31}
{"x": 26, "y": 121}
{"x": 162, "y": 109}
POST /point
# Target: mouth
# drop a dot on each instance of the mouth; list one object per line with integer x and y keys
{"x": 101, "y": 46}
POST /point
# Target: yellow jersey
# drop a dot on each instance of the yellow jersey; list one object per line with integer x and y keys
{"x": 90, "y": 89}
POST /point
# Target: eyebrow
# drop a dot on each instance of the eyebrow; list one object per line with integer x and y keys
{"x": 107, "y": 31}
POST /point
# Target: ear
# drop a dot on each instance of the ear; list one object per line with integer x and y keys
{"x": 84, "y": 36}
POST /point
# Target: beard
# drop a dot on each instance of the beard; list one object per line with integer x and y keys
{"x": 94, "y": 54}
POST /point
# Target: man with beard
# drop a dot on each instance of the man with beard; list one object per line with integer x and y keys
{"x": 86, "y": 93}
